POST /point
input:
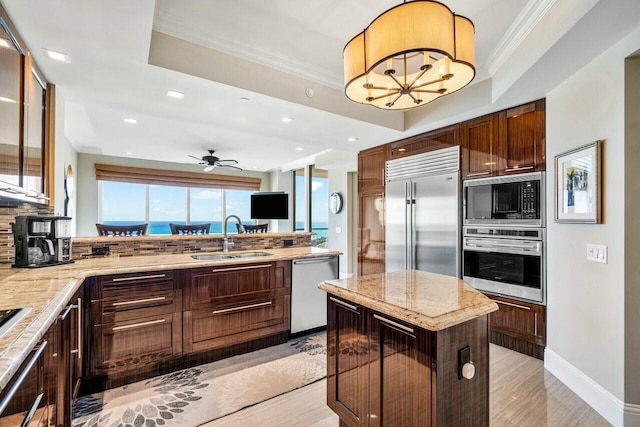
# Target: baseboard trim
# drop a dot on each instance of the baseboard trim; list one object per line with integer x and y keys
{"x": 606, "y": 404}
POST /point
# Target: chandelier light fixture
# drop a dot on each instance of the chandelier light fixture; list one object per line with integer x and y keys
{"x": 410, "y": 55}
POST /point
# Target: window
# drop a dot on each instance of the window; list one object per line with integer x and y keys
{"x": 311, "y": 210}
{"x": 125, "y": 203}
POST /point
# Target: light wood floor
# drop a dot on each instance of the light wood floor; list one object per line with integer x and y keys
{"x": 522, "y": 394}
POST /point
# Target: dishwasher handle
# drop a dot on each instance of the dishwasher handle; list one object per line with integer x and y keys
{"x": 315, "y": 260}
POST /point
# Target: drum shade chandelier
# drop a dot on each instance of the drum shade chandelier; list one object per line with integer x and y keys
{"x": 410, "y": 55}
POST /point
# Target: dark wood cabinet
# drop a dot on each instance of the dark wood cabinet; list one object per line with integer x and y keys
{"x": 384, "y": 372}
{"x": 25, "y": 401}
{"x": 518, "y": 325}
{"x": 428, "y": 141}
{"x": 371, "y": 233}
{"x": 480, "y": 138}
{"x": 522, "y": 139}
{"x": 400, "y": 369}
{"x": 136, "y": 324}
{"x": 231, "y": 304}
{"x": 371, "y": 166}
{"x": 348, "y": 362}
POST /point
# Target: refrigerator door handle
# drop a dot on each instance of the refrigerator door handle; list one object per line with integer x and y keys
{"x": 407, "y": 225}
{"x": 414, "y": 237}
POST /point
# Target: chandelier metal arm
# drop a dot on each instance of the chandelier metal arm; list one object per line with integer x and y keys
{"x": 390, "y": 104}
{"x": 415, "y": 100}
{"x": 418, "y": 78}
{"x": 400, "y": 85}
{"x": 385, "y": 95}
{"x": 439, "y": 91}
{"x": 429, "y": 83}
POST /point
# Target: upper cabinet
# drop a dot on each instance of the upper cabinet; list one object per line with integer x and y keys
{"x": 522, "y": 139}
{"x": 479, "y": 147}
{"x": 504, "y": 143}
{"x": 25, "y": 149}
{"x": 429, "y": 141}
{"x": 371, "y": 164}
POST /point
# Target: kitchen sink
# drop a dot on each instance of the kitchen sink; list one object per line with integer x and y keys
{"x": 229, "y": 255}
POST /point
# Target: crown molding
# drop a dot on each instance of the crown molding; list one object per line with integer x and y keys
{"x": 168, "y": 24}
{"x": 526, "y": 21}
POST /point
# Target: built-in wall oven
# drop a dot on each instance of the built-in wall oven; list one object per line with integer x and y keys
{"x": 506, "y": 261}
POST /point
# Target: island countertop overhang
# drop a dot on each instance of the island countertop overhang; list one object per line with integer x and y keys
{"x": 427, "y": 300}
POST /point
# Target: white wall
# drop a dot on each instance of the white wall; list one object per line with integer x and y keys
{"x": 87, "y": 190}
{"x": 586, "y": 300}
{"x": 282, "y": 181}
{"x": 65, "y": 155}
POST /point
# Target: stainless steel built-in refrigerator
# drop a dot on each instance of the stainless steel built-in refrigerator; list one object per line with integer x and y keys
{"x": 422, "y": 212}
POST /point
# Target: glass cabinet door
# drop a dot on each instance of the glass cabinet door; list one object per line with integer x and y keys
{"x": 33, "y": 153}
{"x": 11, "y": 64}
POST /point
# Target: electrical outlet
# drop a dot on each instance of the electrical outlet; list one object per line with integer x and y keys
{"x": 597, "y": 253}
{"x": 338, "y": 230}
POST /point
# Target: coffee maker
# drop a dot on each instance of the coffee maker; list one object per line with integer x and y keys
{"x": 41, "y": 240}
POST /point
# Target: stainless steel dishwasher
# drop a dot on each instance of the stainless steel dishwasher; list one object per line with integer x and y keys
{"x": 308, "y": 303}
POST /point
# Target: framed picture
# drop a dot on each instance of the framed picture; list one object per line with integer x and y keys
{"x": 578, "y": 189}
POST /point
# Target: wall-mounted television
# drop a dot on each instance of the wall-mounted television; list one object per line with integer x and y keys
{"x": 269, "y": 206}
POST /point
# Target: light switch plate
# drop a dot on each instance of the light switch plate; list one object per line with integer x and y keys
{"x": 338, "y": 230}
{"x": 597, "y": 253}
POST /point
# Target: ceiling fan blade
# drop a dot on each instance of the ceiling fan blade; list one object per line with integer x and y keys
{"x": 209, "y": 168}
{"x": 230, "y": 167}
{"x": 194, "y": 157}
{"x": 228, "y": 162}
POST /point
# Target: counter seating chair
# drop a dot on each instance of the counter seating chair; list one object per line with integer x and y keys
{"x": 260, "y": 228}
{"x": 122, "y": 230}
{"x": 190, "y": 229}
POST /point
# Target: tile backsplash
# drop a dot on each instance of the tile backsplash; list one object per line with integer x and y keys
{"x": 7, "y": 217}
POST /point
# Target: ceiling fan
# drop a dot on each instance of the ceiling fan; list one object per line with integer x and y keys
{"x": 211, "y": 162}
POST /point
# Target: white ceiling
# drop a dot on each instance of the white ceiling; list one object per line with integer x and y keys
{"x": 125, "y": 55}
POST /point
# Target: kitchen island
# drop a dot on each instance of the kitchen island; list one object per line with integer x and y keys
{"x": 407, "y": 348}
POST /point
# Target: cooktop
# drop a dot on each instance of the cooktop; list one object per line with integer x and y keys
{"x": 9, "y": 317}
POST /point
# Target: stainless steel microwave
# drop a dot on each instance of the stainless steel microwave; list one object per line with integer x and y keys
{"x": 517, "y": 200}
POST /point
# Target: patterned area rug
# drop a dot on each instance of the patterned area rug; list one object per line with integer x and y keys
{"x": 204, "y": 393}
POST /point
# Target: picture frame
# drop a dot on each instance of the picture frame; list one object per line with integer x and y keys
{"x": 578, "y": 189}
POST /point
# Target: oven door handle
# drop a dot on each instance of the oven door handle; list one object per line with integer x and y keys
{"x": 507, "y": 249}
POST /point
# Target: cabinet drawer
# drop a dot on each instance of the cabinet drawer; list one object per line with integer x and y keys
{"x": 124, "y": 285}
{"x": 224, "y": 324}
{"x": 519, "y": 319}
{"x": 137, "y": 344}
{"x": 208, "y": 285}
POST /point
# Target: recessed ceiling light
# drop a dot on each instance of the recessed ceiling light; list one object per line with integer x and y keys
{"x": 352, "y": 139}
{"x": 4, "y": 43}
{"x": 299, "y": 149}
{"x": 132, "y": 121}
{"x": 287, "y": 120}
{"x": 129, "y": 153}
{"x": 244, "y": 99}
{"x": 9, "y": 100}
{"x": 58, "y": 56}
{"x": 254, "y": 167}
{"x": 175, "y": 94}
{"x": 309, "y": 92}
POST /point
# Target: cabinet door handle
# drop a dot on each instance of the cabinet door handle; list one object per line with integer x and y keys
{"x": 67, "y": 310}
{"x": 344, "y": 304}
{"x": 523, "y": 168}
{"x": 249, "y": 267}
{"x": 79, "y": 327}
{"x": 137, "y": 325}
{"x": 127, "y": 279}
{"x": 243, "y": 307}
{"x": 138, "y": 301}
{"x": 32, "y": 411}
{"x": 478, "y": 174}
{"x": 16, "y": 385}
{"x": 535, "y": 323}
{"x": 524, "y": 307}
{"x": 395, "y": 325}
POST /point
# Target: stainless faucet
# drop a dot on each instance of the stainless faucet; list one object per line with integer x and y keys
{"x": 226, "y": 244}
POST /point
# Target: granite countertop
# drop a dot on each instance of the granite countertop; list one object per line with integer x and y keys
{"x": 427, "y": 300}
{"x": 47, "y": 290}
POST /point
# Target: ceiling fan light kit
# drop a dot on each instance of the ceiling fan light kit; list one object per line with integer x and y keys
{"x": 410, "y": 55}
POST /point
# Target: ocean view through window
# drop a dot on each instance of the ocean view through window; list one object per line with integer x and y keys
{"x": 124, "y": 203}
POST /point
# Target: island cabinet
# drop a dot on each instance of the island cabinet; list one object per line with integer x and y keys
{"x": 232, "y": 304}
{"x": 385, "y": 371}
{"x": 136, "y": 324}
